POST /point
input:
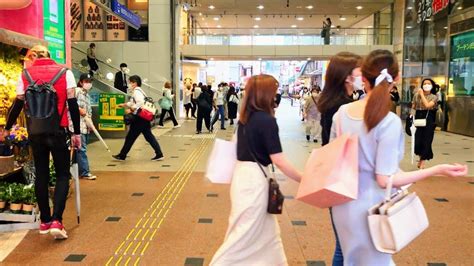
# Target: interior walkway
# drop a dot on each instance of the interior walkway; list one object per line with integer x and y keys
{"x": 168, "y": 213}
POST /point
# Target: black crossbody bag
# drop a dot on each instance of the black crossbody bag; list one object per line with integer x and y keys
{"x": 275, "y": 197}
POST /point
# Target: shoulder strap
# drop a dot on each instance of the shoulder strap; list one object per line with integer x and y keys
{"x": 58, "y": 75}
{"x": 252, "y": 153}
{"x": 314, "y": 100}
{"x": 28, "y": 76}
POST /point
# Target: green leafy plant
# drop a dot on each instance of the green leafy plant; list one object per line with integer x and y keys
{"x": 15, "y": 193}
{"x": 3, "y": 192}
{"x": 52, "y": 174}
{"x": 29, "y": 196}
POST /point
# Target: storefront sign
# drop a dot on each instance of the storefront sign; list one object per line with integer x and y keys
{"x": 53, "y": 17}
{"x": 76, "y": 20}
{"x": 94, "y": 22}
{"x": 126, "y": 14}
{"x": 111, "y": 116}
{"x": 115, "y": 29}
{"x": 428, "y": 8}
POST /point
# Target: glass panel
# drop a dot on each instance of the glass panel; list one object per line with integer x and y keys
{"x": 461, "y": 66}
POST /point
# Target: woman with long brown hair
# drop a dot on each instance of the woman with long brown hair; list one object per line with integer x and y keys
{"x": 253, "y": 235}
{"x": 343, "y": 77}
{"x": 381, "y": 148}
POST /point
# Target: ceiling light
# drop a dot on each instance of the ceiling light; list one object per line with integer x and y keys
{"x": 333, "y": 26}
{"x": 200, "y": 14}
{"x": 459, "y": 8}
{"x": 259, "y": 59}
{"x": 212, "y": 59}
{"x": 342, "y": 18}
{"x": 294, "y": 26}
{"x": 409, "y": 27}
{"x": 255, "y": 26}
{"x": 258, "y": 18}
{"x": 211, "y": 7}
{"x": 260, "y": 7}
{"x": 309, "y": 7}
{"x": 219, "y": 26}
{"x": 308, "y": 59}
{"x": 300, "y": 18}
{"x": 445, "y": 28}
{"x": 410, "y": 8}
{"x": 359, "y": 7}
{"x": 216, "y": 18}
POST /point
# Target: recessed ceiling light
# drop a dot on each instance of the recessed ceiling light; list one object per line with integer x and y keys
{"x": 219, "y": 26}
{"x": 260, "y": 7}
{"x": 308, "y": 59}
{"x": 259, "y": 59}
{"x": 459, "y": 8}
{"x": 258, "y": 18}
{"x": 294, "y": 26}
{"x": 359, "y": 7}
{"x": 342, "y": 18}
{"x": 300, "y": 18}
{"x": 212, "y": 59}
{"x": 309, "y": 7}
{"x": 255, "y": 26}
{"x": 211, "y": 7}
{"x": 216, "y": 18}
{"x": 445, "y": 28}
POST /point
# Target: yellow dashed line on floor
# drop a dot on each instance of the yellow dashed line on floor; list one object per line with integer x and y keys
{"x": 163, "y": 203}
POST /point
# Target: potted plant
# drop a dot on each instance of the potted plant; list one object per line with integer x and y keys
{"x": 29, "y": 199}
{"x": 15, "y": 197}
{"x": 3, "y": 196}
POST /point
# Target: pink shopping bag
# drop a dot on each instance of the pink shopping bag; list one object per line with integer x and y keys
{"x": 331, "y": 174}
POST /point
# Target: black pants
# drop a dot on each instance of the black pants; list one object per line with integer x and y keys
{"x": 162, "y": 116}
{"x": 140, "y": 126}
{"x": 424, "y": 135}
{"x": 206, "y": 115}
{"x": 92, "y": 65}
{"x": 43, "y": 146}
{"x": 188, "y": 107}
{"x": 194, "y": 108}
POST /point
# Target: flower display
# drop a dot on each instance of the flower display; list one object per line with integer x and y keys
{"x": 18, "y": 134}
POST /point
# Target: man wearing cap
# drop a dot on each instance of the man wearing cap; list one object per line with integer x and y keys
{"x": 120, "y": 81}
{"x": 44, "y": 69}
{"x": 84, "y": 101}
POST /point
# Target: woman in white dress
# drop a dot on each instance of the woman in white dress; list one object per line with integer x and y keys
{"x": 253, "y": 235}
{"x": 381, "y": 148}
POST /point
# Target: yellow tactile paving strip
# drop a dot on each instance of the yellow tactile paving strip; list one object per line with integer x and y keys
{"x": 136, "y": 243}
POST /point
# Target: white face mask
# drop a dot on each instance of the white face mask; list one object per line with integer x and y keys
{"x": 358, "y": 84}
{"x": 87, "y": 86}
{"x": 124, "y": 69}
{"x": 427, "y": 87}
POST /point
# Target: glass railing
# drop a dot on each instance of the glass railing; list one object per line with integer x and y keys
{"x": 338, "y": 36}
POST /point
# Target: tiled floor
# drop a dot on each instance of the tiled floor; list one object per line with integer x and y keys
{"x": 168, "y": 213}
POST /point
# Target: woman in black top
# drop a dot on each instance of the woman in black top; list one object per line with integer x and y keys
{"x": 232, "y": 104}
{"x": 204, "y": 105}
{"x": 253, "y": 235}
{"x": 343, "y": 76}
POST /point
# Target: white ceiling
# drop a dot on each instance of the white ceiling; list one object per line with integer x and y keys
{"x": 275, "y": 14}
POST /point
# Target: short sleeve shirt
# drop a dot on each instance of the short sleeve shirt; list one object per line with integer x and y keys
{"x": 419, "y": 104}
{"x": 260, "y": 137}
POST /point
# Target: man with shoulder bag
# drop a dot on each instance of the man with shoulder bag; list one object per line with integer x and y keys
{"x": 47, "y": 91}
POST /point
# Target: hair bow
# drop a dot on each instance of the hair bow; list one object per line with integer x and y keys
{"x": 383, "y": 75}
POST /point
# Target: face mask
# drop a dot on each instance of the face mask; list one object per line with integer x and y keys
{"x": 314, "y": 94}
{"x": 358, "y": 84}
{"x": 87, "y": 86}
{"x": 124, "y": 69}
{"x": 127, "y": 71}
{"x": 427, "y": 87}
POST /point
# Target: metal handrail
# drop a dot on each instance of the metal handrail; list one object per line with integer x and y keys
{"x": 110, "y": 66}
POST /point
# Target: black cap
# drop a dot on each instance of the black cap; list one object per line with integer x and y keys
{"x": 85, "y": 76}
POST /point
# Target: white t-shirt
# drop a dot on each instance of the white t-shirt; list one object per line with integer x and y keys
{"x": 70, "y": 82}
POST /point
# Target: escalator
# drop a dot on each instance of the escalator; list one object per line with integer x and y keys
{"x": 103, "y": 83}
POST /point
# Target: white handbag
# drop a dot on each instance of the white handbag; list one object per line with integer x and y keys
{"x": 397, "y": 221}
{"x": 221, "y": 162}
{"x": 421, "y": 122}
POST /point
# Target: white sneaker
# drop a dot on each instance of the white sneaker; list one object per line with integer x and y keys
{"x": 89, "y": 177}
{"x": 160, "y": 126}
{"x": 177, "y": 126}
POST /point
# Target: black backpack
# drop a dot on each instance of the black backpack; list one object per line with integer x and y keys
{"x": 41, "y": 105}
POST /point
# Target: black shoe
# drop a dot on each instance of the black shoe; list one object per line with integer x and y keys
{"x": 222, "y": 128}
{"x": 315, "y": 141}
{"x": 198, "y": 132}
{"x": 307, "y": 137}
{"x": 158, "y": 158}
{"x": 118, "y": 157}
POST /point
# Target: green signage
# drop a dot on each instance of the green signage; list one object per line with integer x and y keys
{"x": 54, "y": 29}
{"x": 111, "y": 116}
{"x": 461, "y": 67}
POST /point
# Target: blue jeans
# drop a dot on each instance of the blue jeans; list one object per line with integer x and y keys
{"x": 338, "y": 258}
{"x": 219, "y": 112}
{"x": 82, "y": 160}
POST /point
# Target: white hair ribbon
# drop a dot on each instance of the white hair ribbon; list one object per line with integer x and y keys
{"x": 383, "y": 75}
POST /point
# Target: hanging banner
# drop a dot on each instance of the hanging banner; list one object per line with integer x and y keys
{"x": 93, "y": 22}
{"x": 76, "y": 20}
{"x": 54, "y": 31}
{"x": 111, "y": 116}
{"x": 126, "y": 14}
{"x": 115, "y": 29}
